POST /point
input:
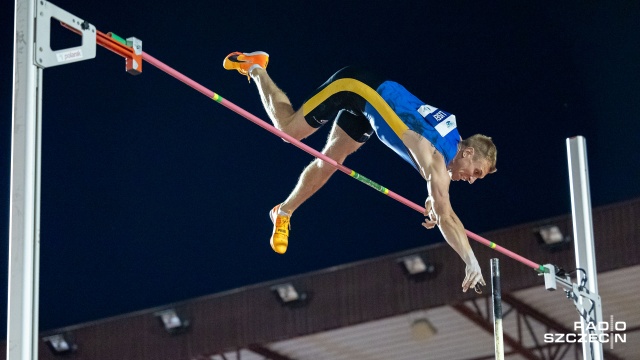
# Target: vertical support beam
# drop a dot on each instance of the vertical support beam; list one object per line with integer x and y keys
{"x": 512, "y": 342}
{"x": 583, "y": 233}
{"x": 22, "y": 321}
{"x": 496, "y": 297}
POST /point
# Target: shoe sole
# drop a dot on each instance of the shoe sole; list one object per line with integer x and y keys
{"x": 234, "y": 58}
{"x": 255, "y": 53}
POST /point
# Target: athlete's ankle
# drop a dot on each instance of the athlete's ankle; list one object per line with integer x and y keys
{"x": 254, "y": 71}
{"x": 283, "y": 210}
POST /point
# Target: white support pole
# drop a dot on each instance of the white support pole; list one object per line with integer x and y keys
{"x": 583, "y": 234}
{"x": 22, "y": 314}
{"x": 24, "y": 222}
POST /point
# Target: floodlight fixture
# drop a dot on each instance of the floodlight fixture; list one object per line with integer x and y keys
{"x": 173, "y": 323}
{"x": 60, "y": 343}
{"x": 417, "y": 267}
{"x": 551, "y": 237}
{"x": 422, "y": 329}
{"x": 288, "y": 295}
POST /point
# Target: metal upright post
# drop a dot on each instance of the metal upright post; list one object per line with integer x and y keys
{"x": 496, "y": 296}
{"x": 583, "y": 236}
{"x": 32, "y": 53}
{"x": 22, "y": 318}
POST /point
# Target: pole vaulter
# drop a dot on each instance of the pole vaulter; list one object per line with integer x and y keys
{"x": 263, "y": 124}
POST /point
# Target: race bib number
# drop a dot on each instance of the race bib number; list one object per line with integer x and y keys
{"x": 444, "y": 121}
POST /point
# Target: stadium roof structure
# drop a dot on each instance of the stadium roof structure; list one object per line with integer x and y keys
{"x": 374, "y": 309}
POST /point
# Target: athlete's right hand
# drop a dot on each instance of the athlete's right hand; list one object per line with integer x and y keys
{"x": 432, "y": 218}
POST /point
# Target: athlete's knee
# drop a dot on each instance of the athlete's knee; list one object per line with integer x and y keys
{"x": 340, "y": 147}
{"x": 295, "y": 126}
{"x": 294, "y": 131}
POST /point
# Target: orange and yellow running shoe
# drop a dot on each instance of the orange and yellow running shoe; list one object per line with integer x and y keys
{"x": 243, "y": 62}
{"x": 280, "y": 234}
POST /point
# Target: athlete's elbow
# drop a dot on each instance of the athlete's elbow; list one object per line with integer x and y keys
{"x": 442, "y": 206}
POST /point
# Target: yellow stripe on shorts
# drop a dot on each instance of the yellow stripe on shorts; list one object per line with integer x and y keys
{"x": 369, "y": 94}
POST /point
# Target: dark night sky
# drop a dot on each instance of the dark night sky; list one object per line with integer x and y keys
{"x": 152, "y": 193}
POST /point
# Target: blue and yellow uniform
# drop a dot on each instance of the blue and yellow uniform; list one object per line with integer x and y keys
{"x": 362, "y": 104}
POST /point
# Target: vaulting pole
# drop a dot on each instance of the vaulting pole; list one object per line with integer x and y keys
{"x": 496, "y": 297}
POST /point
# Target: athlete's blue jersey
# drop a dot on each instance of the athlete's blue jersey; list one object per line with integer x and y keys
{"x": 435, "y": 125}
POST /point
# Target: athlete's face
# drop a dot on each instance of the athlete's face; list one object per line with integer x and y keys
{"x": 465, "y": 168}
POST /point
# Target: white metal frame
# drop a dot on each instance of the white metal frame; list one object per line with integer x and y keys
{"x": 31, "y": 56}
{"x": 583, "y": 239}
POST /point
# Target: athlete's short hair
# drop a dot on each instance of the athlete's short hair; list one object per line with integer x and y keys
{"x": 484, "y": 149}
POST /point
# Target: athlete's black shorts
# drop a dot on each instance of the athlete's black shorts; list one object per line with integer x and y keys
{"x": 346, "y": 107}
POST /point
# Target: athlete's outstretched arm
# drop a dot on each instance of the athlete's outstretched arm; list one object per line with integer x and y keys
{"x": 451, "y": 227}
{"x": 438, "y": 206}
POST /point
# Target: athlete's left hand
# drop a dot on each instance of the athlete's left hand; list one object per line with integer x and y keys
{"x": 473, "y": 276}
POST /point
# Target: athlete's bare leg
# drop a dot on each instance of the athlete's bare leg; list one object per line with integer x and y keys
{"x": 279, "y": 108}
{"x": 339, "y": 145}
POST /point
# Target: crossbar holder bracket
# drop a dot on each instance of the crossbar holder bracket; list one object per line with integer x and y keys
{"x": 44, "y": 56}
